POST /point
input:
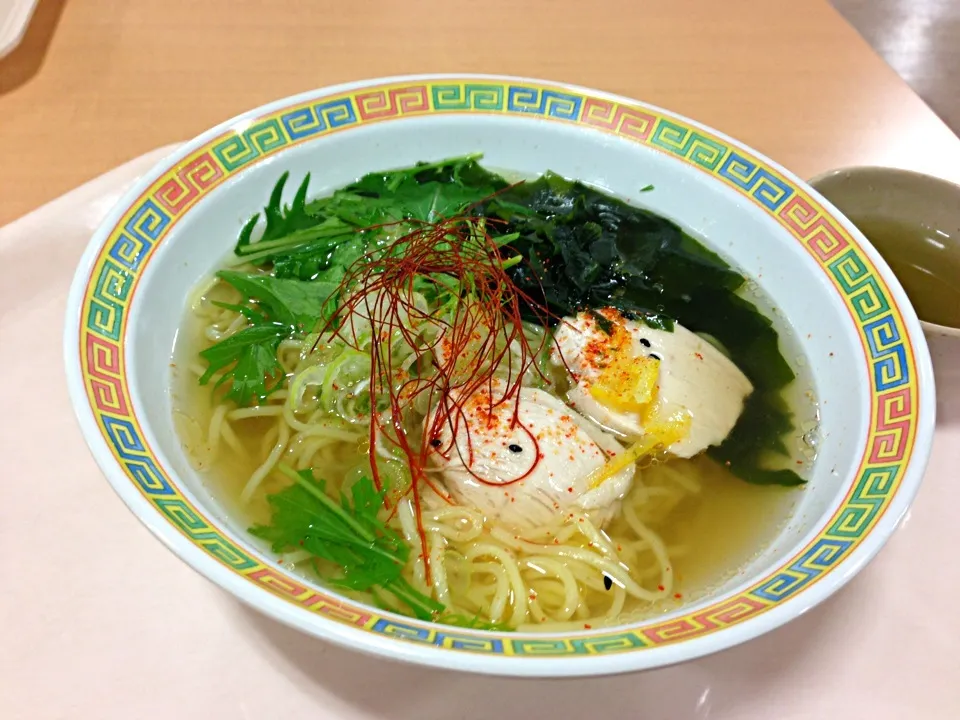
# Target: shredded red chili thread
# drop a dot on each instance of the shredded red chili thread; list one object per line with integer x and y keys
{"x": 487, "y": 320}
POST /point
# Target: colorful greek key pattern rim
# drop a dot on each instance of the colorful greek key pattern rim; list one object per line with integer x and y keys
{"x": 887, "y": 351}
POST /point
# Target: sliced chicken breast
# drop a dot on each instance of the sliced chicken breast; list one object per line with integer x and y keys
{"x": 525, "y": 464}
{"x": 689, "y": 376}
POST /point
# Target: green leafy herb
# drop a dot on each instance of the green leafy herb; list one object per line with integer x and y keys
{"x": 306, "y": 239}
{"x": 297, "y": 303}
{"x": 281, "y": 221}
{"x": 348, "y": 534}
{"x": 248, "y": 361}
{"x": 646, "y": 188}
{"x": 393, "y": 197}
{"x": 275, "y": 309}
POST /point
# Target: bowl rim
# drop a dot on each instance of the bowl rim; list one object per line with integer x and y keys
{"x": 808, "y": 575}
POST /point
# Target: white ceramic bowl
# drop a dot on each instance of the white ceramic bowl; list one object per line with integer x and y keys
{"x": 860, "y": 336}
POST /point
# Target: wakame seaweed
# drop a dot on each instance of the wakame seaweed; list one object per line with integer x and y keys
{"x": 582, "y": 249}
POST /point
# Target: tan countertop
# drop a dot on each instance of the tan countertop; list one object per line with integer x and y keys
{"x": 101, "y": 621}
{"x": 97, "y": 82}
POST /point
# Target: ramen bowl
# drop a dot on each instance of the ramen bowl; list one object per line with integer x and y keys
{"x": 862, "y": 344}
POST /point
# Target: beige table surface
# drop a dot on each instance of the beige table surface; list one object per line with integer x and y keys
{"x": 100, "y": 621}
{"x": 97, "y": 82}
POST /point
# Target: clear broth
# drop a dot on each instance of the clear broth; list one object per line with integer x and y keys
{"x": 722, "y": 528}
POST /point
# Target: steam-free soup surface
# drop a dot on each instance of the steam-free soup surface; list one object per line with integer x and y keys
{"x": 313, "y": 342}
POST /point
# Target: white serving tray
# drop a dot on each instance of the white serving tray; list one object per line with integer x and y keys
{"x": 101, "y": 621}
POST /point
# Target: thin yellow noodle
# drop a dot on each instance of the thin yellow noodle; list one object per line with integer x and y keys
{"x": 595, "y": 537}
{"x": 548, "y": 597}
{"x": 536, "y": 612}
{"x": 512, "y": 569}
{"x": 617, "y": 603}
{"x": 437, "y": 547}
{"x": 499, "y": 591}
{"x": 255, "y": 412}
{"x": 656, "y": 544}
{"x": 196, "y": 298}
{"x": 269, "y": 439}
{"x": 215, "y": 334}
{"x": 326, "y": 428}
{"x": 309, "y": 448}
{"x": 233, "y": 442}
{"x": 561, "y": 531}
{"x": 445, "y": 523}
{"x": 476, "y": 595}
{"x": 261, "y": 472}
{"x": 498, "y": 603}
{"x": 408, "y": 524}
{"x": 454, "y": 571}
{"x": 616, "y": 572}
{"x": 213, "y": 434}
{"x": 587, "y": 576}
{"x": 290, "y": 452}
{"x": 482, "y": 567}
{"x": 550, "y": 566}
{"x": 238, "y": 322}
{"x": 475, "y": 601}
{"x": 328, "y": 459}
{"x": 548, "y": 589}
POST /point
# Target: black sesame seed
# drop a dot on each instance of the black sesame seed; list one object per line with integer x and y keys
{"x": 607, "y": 582}
{"x": 435, "y": 442}
{"x": 654, "y": 356}
{"x": 515, "y": 448}
{"x": 644, "y": 342}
